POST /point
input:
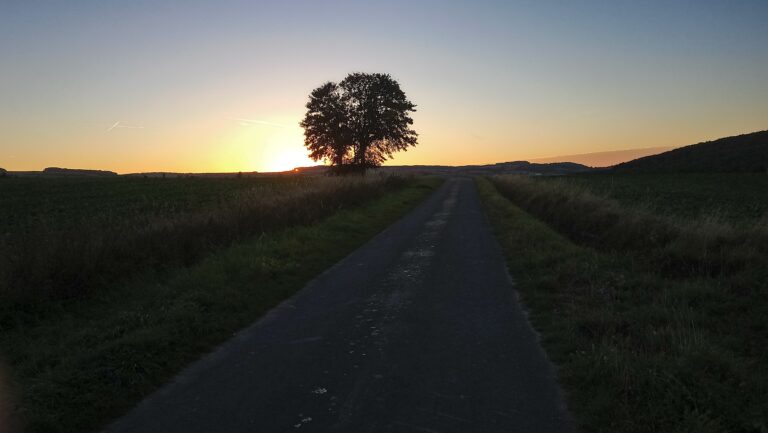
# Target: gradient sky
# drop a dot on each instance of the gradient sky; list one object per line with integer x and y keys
{"x": 221, "y": 85}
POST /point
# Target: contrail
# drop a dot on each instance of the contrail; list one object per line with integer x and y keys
{"x": 246, "y": 122}
{"x": 119, "y": 124}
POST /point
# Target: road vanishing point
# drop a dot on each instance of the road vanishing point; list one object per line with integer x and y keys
{"x": 419, "y": 330}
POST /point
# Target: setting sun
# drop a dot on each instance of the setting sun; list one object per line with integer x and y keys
{"x": 281, "y": 148}
{"x": 287, "y": 158}
{"x": 266, "y": 145}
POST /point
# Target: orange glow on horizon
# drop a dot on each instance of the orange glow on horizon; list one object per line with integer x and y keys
{"x": 267, "y": 145}
{"x": 285, "y": 160}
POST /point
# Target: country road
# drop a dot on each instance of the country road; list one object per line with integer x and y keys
{"x": 419, "y": 330}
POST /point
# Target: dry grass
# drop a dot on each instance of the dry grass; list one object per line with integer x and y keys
{"x": 675, "y": 246}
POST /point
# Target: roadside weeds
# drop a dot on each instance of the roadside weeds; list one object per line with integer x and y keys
{"x": 638, "y": 350}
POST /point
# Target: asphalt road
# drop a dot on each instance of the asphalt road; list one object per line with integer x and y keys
{"x": 417, "y": 331}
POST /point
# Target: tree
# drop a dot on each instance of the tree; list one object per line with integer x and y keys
{"x": 359, "y": 122}
{"x": 326, "y": 133}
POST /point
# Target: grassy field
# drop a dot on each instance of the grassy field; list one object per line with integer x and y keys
{"x": 32, "y": 202}
{"x": 737, "y": 198}
{"x": 677, "y": 246}
{"x": 63, "y": 237}
{"x": 655, "y": 316}
{"x": 77, "y": 362}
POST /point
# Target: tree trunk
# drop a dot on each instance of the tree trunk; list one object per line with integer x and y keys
{"x": 359, "y": 158}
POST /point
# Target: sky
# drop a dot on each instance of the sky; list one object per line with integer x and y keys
{"x": 207, "y": 86}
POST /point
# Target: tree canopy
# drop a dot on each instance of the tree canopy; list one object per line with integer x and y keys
{"x": 359, "y": 122}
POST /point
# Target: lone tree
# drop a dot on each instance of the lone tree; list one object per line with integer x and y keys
{"x": 358, "y": 123}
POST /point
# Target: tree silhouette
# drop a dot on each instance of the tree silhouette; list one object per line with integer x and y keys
{"x": 359, "y": 122}
{"x": 326, "y": 133}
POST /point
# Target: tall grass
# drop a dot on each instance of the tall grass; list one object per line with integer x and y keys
{"x": 673, "y": 246}
{"x": 638, "y": 348}
{"x": 52, "y": 260}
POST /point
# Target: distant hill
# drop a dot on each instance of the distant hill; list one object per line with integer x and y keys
{"x": 540, "y": 168}
{"x": 77, "y": 172}
{"x": 171, "y": 174}
{"x": 606, "y": 159}
{"x": 741, "y": 153}
{"x": 514, "y": 167}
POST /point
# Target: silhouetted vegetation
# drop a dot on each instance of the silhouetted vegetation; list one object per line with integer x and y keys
{"x": 359, "y": 122}
{"x": 78, "y": 172}
{"x": 741, "y": 153}
{"x": 63, "y": 237}
{"x": 3, "y": 173}
{"x": 656, "y": 320}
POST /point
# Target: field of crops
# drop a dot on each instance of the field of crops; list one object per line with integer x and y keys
{"x": 59, "y": 203}
{"x": 738, "y": 198}
{"x": 64, "y": 236}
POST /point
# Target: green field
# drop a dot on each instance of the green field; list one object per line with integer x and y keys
{"x": 65, "y": 236}
{"x": 78, "y": 361}
{"x": 653, "y": 311}
{"x": 739, "y": 198}
{"x": 59, "y": 203}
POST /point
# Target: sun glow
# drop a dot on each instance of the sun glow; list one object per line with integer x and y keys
{"x": 287, "y": 158}
{"x": 267, "y": 145}
{"x": 282, "y": 149}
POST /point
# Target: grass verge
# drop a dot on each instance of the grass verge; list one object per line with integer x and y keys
{"x": 637, "y": 351}
{"x": 78, "y": 363}
{"x": 676, "y": 247}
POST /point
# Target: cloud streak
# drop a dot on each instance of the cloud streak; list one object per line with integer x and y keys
{"x": 119, "y": 124}
{"x": 254, "y": 122}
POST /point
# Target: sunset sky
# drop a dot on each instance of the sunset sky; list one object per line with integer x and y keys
{"x": 198, "y": 86}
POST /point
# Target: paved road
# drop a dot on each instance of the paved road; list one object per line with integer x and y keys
{"x": 417, "y": 331}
